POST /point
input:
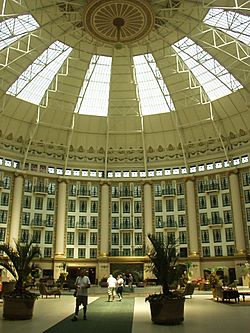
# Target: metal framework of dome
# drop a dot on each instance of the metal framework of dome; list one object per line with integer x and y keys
{"x": 196, "y": 130}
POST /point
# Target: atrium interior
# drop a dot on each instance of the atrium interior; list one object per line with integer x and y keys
{"x": 120, "y": 119}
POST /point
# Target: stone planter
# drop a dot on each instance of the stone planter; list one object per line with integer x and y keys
{"x": 18, "y": 308}
{"x": 169, "y": 312}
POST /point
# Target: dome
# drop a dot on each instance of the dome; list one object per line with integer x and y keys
{"x": 117, "y": 85}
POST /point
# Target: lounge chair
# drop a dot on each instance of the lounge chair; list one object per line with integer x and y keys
{"x": 48, "y": 292}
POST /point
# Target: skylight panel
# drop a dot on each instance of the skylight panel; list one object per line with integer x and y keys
{"x": 94, "y": 95}
{"x": 232, "y": 23}
{"x": 36, "y": 79}
{"x": 213, "y": 77}
{"x": 153, "y": 92}
{"x": 15, "y": 28}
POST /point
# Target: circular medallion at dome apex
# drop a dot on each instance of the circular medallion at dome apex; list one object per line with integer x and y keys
{"x": 115, "y": 21}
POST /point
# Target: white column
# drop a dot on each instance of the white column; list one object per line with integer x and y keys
{"x": 61, "y": 218}
{"x": 237, "y": 214}
{"x": 191, "y": 218}
{"x": 16, "y": 209}
{"x": 104, "y": 245}
{"x": 148, "y": 206}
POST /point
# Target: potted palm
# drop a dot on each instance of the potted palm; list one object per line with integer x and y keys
{"x": 214, "y": 279}
{"x": 167, "y": 307}
{"x": 19, "y": 303}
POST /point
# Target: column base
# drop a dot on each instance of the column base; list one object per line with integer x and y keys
{"x": 58, "y": 256}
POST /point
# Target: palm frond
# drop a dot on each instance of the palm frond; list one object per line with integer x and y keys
{"x": 20, "y": 258}
{"x": 164, "y": 259}
{"x": 9, "y": 268}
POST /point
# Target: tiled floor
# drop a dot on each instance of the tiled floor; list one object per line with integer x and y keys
{"x": 202, "y": 315}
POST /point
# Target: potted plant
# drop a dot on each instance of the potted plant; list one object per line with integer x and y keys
{"x": 214, "y": 279}
{"x": 167, "y": 307}
{"x": 19, "y": 303}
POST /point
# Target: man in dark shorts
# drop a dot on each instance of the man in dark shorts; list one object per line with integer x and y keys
{"x": 82, "y": 284}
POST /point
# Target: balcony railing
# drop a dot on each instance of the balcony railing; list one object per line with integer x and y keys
{"x": 41, "y": 189}
{"x": 169, "y": 191}
{"x": 124, "y": 253}
{"x": 82, "y": 225}
{"x": 211, "y": 187}
{"x": 126, "y": 226}
{"x": 166, "y": 224}
{"x": 83, "y": 192}
{"x": 215, "y": 222}
{"x": 126, "y": 193}
{"x": 37, "y": 224}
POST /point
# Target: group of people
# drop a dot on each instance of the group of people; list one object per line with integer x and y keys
{"x": 82, "y": 283}
{"x": 115, "y": 286}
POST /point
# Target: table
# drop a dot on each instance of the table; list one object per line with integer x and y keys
{"x": 244, "y": 294}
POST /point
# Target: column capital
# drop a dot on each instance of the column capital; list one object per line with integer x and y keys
{"x": 62, "y": 180}
{"x": 233, "y": 172}
{"x": 19, "y": 174}
{"x": 147, "y": 182}
{"x": 104, "y": 182}
{"x": 189, "y": 178}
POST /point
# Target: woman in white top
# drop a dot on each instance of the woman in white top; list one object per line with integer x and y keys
{"x": 120, "y": 283}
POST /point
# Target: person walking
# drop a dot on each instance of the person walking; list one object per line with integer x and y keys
{"x": 130, "y": 281}
{"x": 82, "y": 284}
{"x": 111, "y": 288}
{"x": 120, "y": 284}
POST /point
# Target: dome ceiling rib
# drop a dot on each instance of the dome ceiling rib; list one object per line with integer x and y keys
{"x": 125, "y": 138}
{"x": 212, "y": 119}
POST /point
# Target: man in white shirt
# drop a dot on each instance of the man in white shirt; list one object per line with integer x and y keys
{"x": 111, "y": 287}
{"x": 82, "y": 284}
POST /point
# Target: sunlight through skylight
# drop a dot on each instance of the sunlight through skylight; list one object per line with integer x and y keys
{"x": 15, "y": 28}
{"x": 232, "y": 23}
{"x": 35, "y": 80}
{"x": 94, "y": 95}
{"x": 153, "y": 93}
{"x": 213, "y": 77}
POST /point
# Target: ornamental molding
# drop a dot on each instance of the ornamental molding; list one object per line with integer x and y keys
{"x": 118, "y": 21}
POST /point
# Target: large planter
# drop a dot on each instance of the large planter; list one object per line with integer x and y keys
{"x": 168, "y": 311}
{"x": 18, "y": 308}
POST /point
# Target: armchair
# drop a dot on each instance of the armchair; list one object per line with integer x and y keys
{"x": 189, "y": 289}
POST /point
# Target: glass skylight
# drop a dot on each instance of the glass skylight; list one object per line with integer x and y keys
{"x": 94, "y": 95}
{"x": 213, "y": 77}
{"x": 36, "y": 79}
{"x": 153, "y": 92}
{"x": 15, "y": 28}
{"x": 232, "y": 23}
